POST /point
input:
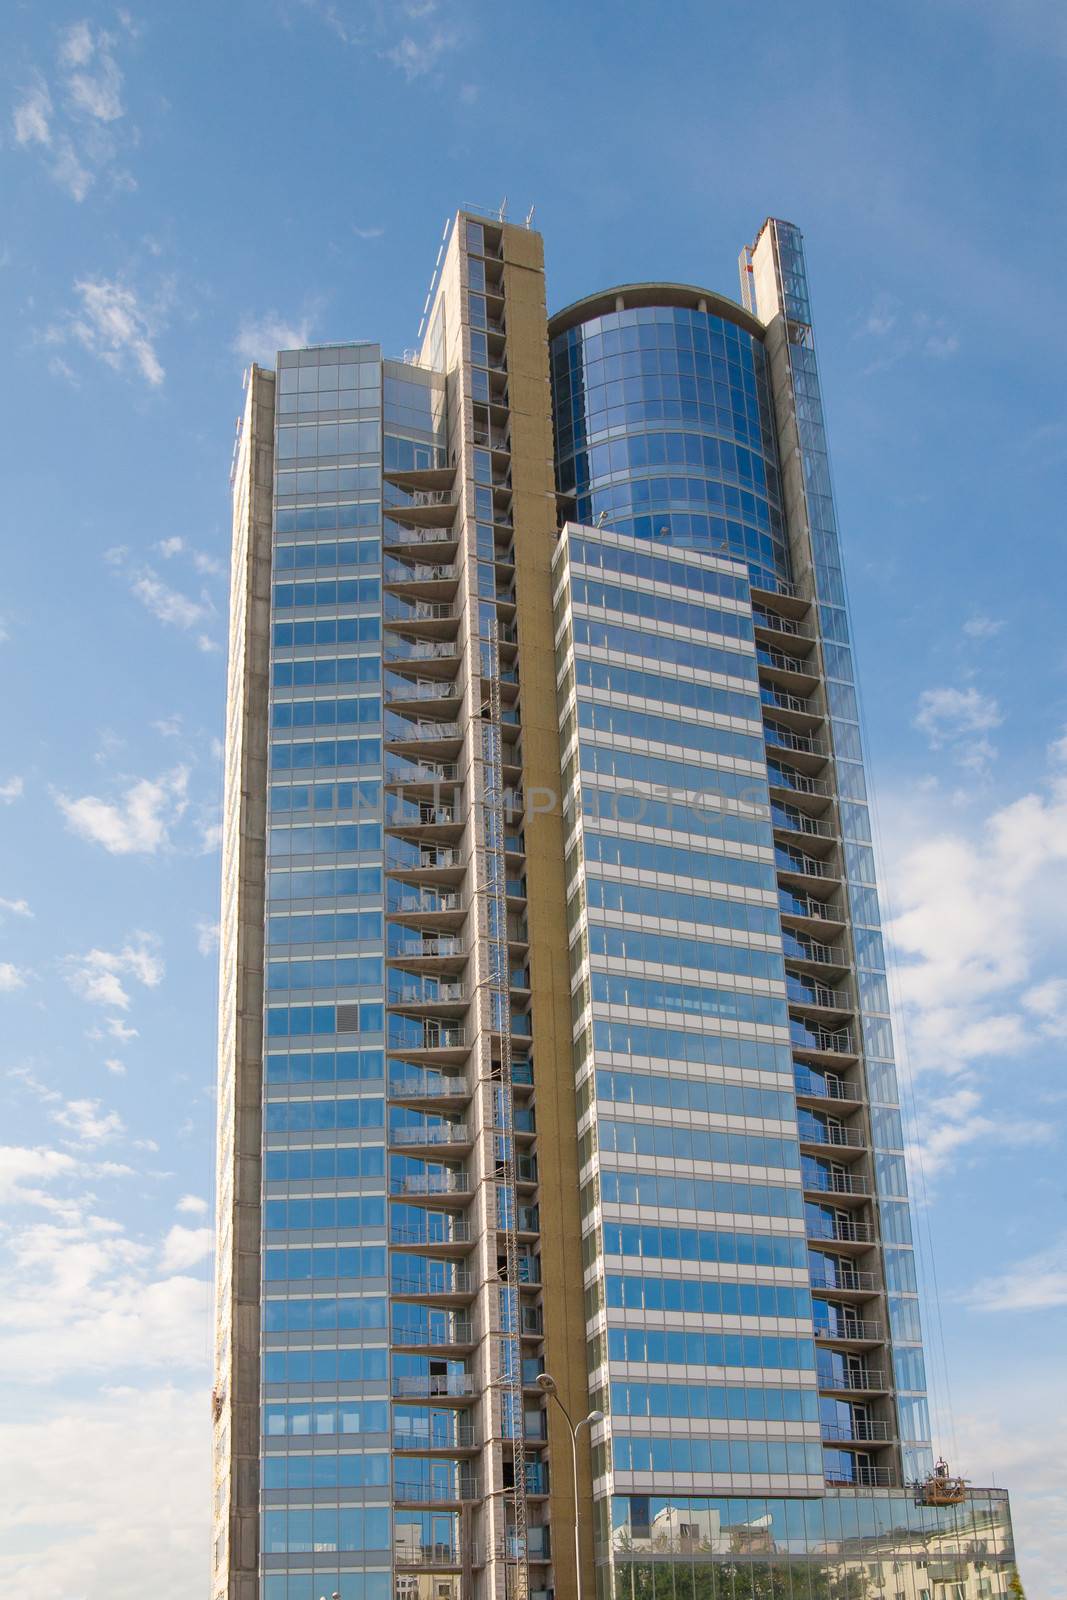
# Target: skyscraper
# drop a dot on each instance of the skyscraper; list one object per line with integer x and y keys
{"x": 554, "y": 1030}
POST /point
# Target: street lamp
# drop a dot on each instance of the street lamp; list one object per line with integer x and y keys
{"x": 547, "y": 1384}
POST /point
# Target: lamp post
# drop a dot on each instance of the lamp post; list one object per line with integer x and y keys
{"x": 548, "y": 1385}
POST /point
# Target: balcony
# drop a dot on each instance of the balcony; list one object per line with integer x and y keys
{"x": 786, "y": 819}
{"x": 420, "y": 650}
{"x": 460, "y": 1436}
{"x": 844, "y": 1282}
{"x": 454, "y": 1234}
{"x": 775, "y": 622}
{"x": 416, "y": 690}
{"x": 797, "y": 673}
{"x": 821, "y": 1041}
{"x": 805, "y": 908}
{"x": 808, "y": 753}
{"x": 436, "y": 1088}
{"x": 426, "y": 1184}
{"x": 825, "y": 1086}
{"x": 863, "y": 1476}
{"x": 439, "y": 947}
{"x": 865, "y": 1431}
{"x": 841, "y": 1230}
{"x": 421, "y": 508}
{"x": 419, "y": 1286}
{"x": 812, "y": 951}
{"x": 447, "y": 1333}
{"x": 451, "y": 1133}
{"x": 432, "y": 1492}
{"x": 832, "y": 1133}
{"x": 406, "y": 572}
{"x": 870, "y": 1380}
{"x": 816, "y": 996}
{"x": 850, "y": 1330}
{"x": 439, "y": 1557}
{"x": 414, "y": 537}
{"x": 436, "y": 1386}
{"x": 842, "y": 1183}
{"x": 790, "y": 863}
{"x": 432, "y": 994}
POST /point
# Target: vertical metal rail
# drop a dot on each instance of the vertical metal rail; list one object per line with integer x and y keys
{"x": 507, "y": 1367}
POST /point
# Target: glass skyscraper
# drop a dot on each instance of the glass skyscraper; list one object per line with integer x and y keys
{"x": 554, "y": 1033}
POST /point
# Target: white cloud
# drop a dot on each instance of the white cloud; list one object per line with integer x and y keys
{"x": 169, "y": 605}
{"x": 982, "y": 627}
{"x": 417, "y": 56}
{"x": 70, "y": 1530}
{"x": 95, "y": 93}
{"x": 976, "y": 913}
{"x": 115, "y": 1067}
{"x": 113, "y": 324}
{"x": 11, "y": 977}
{"x": 1057, "y": 754}
{"x": 11, "y": 790}
{"x": 1036, "y": 1283}
{"x": 120, "y": 1030}
{"x": 193, "y": 1205}
{"x": 17, "y": 908}
{"x": 207, "y": 937}
{"x": 364, "y": 233}
{"x": 954, "y": 1122}
{"x": 88, "y": 1123}
{"x": 186, "y": 1247}
{"x": 260, "y": 338}
{"x": 1047, "y": 1003}
{"x": 24, "y": 1172}
{"x": 139, "y": 823}
{"x": 947, "y": 714}
{"x": 97, "y": 976}
{"x": 32, "y": 116}
{"x": 170, "y": 727}
{"x": 177, "y": 546}
{"x": 207, "y": 645}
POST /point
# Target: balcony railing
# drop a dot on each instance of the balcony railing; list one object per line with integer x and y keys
{"x": 841, "y": 1229}
{"x": 402, "y": 730}
{"x": 452, "y": 1386}
{"x": 452, "y": 1333}
{"x": 845, "y": 1282}
{"x": 432, "y": 992}
{"x": 799, "y": 822}
{"x": 835, "y": 1182}
{"x": 798, "y": 949}
{"x": 790, "y": 625}
{"x": 420, "y": 1491}
{"x": 457, "y": 1282}
{"x": 833, "y": 1041}
{"x": 799, "y": 782}
{"x": 867, "y": 1378}
{"x": 427, "y": 949}
{"x": 457, "y": 1232}
{"x": 831, "y": 1133}
{"x": 423, "y": 650}
{"x": 418, "y": 535}
{"x": 431, "y": 1183}
{"x": 786, "y": 739}
{"x": 419, "y": 571}
{"x": 450, "y": 1088}
{"x": 856, "y": 1431}
{"x": 783, "y": 663}
{"x": 423, "y": 689}
{"x": 825, "y": 1086}
{"x": 796, "y": 861}
{"x": 448, "y": 1133}
{"x": 865, "y": 1477}
{"x": 849, "y": 1328}
{"x": 459, "y": 1437}
{"x": 805, "y": 905}
{"x": 800, "y": 993}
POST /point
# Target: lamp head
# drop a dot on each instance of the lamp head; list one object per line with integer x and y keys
{"x": 595, "y": 1416}
{"x": 547, "y": 1383}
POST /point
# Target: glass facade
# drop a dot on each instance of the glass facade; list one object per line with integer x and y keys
{"x": 326, "y": 1428}
{"x": 555, "y": 1064}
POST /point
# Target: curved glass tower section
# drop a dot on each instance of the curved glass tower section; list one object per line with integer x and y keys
{"x": 665, "y": 424}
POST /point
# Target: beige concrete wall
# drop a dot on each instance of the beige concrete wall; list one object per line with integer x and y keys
{"x": 235, "y": 1401}
{"x": 534, "y": 506}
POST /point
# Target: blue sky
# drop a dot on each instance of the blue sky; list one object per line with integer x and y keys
{"x": 185, "y": 188}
